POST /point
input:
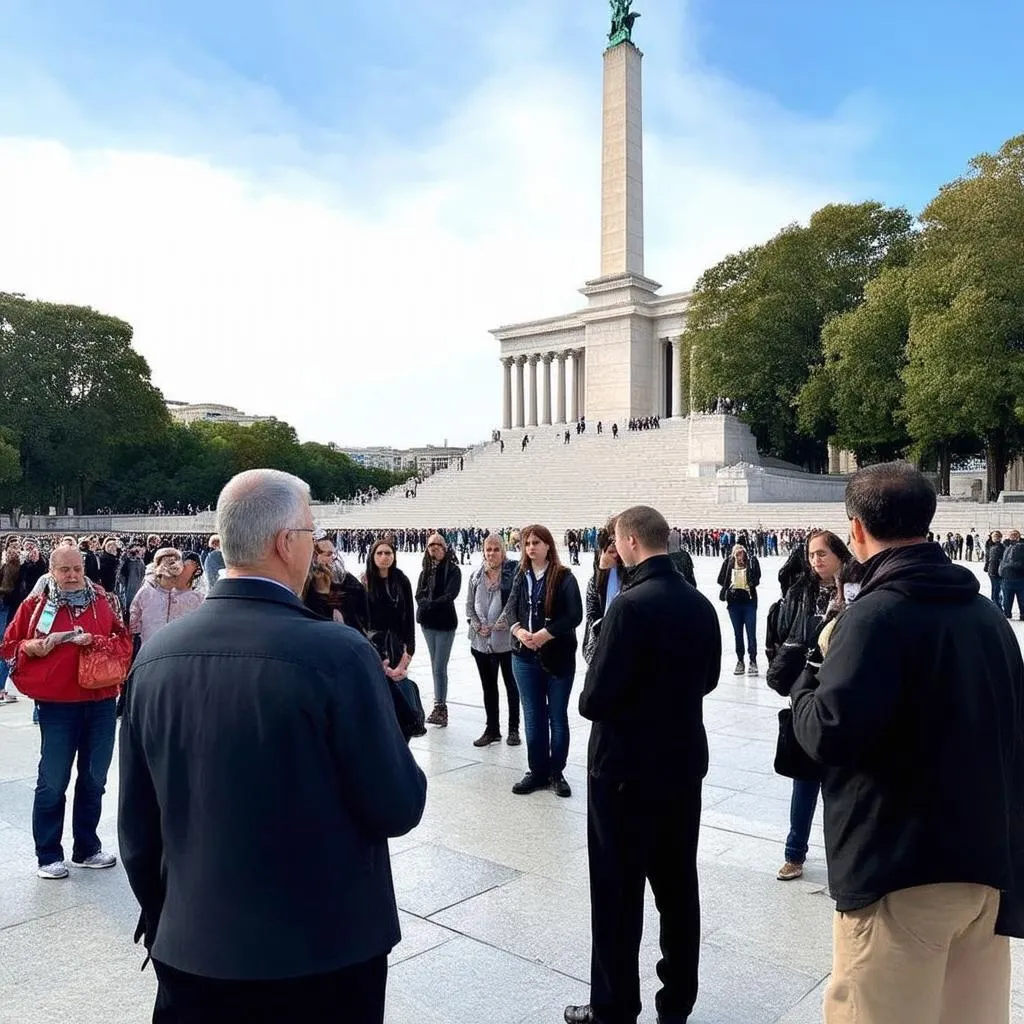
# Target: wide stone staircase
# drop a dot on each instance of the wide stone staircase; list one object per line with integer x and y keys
{"x": 586, "y": 481}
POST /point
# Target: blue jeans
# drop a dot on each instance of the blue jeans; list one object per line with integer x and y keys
{"x": 997, "y": 590}
{"x": 82, "y": 728}
{"x": 545, "y": 701}
{"x": 1013, "y": 589}
{"x": 744, "y": 616}
{"x": 439, "y": 645}
{"x": 801, "y": 813}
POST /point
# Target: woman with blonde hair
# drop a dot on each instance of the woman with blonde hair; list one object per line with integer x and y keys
{"x": 739, "y": 579}
{"x": 490, "y": 642}
{"x": 544, "y": 608}
{"x": 159, "y": 599}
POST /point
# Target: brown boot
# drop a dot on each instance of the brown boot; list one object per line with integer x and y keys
{"x": 439, "y": 716}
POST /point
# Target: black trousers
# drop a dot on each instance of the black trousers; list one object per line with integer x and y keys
{"x": 634, "y": 836}
{"x": 488, "y": 665}
{"x": 353, "y": 995}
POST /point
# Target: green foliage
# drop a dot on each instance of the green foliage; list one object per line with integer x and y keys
{"x": 965, "y": 371}
{"x": 757, "y": 318}
{"x": 81, "y": 424}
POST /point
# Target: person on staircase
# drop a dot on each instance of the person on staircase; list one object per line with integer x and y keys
{"x": 739, "y": 579}
{"x": 809, "y": 602}
{"x": 436, "y": 592}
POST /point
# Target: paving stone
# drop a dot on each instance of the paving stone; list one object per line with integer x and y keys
{"x": 429, "y": 878}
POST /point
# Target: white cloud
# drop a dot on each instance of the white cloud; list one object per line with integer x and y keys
{"x": 366, "y": 321}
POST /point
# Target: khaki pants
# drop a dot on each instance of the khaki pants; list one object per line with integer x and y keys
{"x": 927, "y": 955}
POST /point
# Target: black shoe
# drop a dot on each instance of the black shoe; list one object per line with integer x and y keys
{"x": 487, "y": 739}
{"x": 580, "y": 1015}
{"x": 513, "y": 738}
{"x": 529, "y": 783}
{"x": 560, "y": 786}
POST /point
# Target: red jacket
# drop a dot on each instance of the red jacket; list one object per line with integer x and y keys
{"x": 55, "y": 676}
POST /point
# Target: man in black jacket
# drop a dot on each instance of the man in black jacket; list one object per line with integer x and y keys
{"x": 659, "y": 654}
{"x": 993, "y": 559}
{"x": 917, "y": 715}
{"x": 262, "y": 772}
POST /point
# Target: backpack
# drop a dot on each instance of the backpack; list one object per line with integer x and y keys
{"x": 772, "y": 640}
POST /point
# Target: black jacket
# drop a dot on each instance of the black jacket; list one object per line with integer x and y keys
{"x": 92, "y": 566}
{"x": 683, "y": 564}
{"x": 659, "y": 653}
{"x": 392, "y": 611}
{"x": 994, "y": 558}
{"x": 347, "y": 596}
{"x": 558, "y": 655}
{"x": 435, "y": 605}
{"x": 1011, "y": 567}
{"x": 725, "y": 577}
{"x": 30, "y": 574}
{"x": 257, "y": 739}
{"x": 108, "y": 571}
{"x": 917, "y": 714}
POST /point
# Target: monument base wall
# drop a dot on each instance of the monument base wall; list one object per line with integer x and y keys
{"x": 716, "y": 441}
{"x": 746, "y": 484}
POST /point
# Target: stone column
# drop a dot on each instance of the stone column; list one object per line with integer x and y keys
{"x": 581, "y": 381}
{"x": 545, "y": 388}
{"x": 574, "y": 390}
{"x": 677, "y": 377}
{"x": 532, "y": 419}
{"x": 506, "y": 394}
{"x": 560, "y": 392}
{"x": 520, "y": 404}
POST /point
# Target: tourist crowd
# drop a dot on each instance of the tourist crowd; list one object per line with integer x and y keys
{"x": 905, "y": 716}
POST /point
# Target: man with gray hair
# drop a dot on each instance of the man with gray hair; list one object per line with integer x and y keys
{"x": 262, "y": 772}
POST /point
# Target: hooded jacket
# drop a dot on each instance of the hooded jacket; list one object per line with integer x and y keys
{"x": 917, "y": 714}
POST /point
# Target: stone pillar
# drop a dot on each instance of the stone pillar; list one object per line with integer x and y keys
{"x": 545, "y": 388}
{"x": 574, "y": 387}
{"x": 581, "y": 381}
{"x": 622, "y": 188}
{"x": 532, "y": 418}
{"x": 506, "y": 394}
{"x": 520, "y": 404}
{"x": 677, "y": 377}
{"x": 560, "y": 392}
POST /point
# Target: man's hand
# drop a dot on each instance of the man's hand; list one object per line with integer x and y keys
{"x": 484, "y": 631}
{"x": 36, "y": 648}
{"x": 82, "y": 640}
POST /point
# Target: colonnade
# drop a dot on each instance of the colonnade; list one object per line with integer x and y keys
{"x": 526, "y": 410}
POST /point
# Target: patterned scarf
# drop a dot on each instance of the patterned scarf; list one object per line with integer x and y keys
{"x": 76, "y": 600}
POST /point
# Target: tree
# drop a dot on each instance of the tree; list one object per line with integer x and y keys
{"x": 73, "y": 389}
{"x": 855, "y": 397}
{"x": 756, "y": 318}
{"x": 965, "y": 374}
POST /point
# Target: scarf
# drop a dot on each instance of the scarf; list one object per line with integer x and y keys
{"x": 76, "y": 600}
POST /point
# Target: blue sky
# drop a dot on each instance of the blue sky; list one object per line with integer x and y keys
{"x": 266, "y": 187}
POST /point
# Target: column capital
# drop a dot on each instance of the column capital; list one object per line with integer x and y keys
{"x": 533, "y": 359}
{"x": 547, "y": 358}
{"x": 562, "y": 356}
{"x": 520, "y": 360}
{"x": 507, "y": 361}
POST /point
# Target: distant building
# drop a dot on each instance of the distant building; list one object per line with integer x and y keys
{"x": 416, "y": 460}
{"x": 210, "y": 412}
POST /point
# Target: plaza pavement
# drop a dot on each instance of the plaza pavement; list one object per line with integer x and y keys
{"x": 492, "y": 887}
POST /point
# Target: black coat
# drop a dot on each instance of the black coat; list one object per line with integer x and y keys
{"x": 392, "y": 612}
{"x": 917, "y": 714}
{"x": 558, "y": 655}
{"x": 347, "y": 596}
{"x": 994, "y": 557}
{"x": 659, "y": 654}
{"x": 435, "y": 606}
{"x": 258, "y": 742}
{"x": 108, "y": 571}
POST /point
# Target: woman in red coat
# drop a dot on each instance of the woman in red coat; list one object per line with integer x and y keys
{"x": 45, "y": 641}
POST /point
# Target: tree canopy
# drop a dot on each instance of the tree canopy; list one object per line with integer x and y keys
{"x": 82, "y": 425}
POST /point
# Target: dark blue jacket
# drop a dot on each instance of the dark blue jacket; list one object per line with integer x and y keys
{"x": 260, "y": 743}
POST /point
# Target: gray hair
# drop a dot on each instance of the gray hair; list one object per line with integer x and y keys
{"x": 253, "y": 508}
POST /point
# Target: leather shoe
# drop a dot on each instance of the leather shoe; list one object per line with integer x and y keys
{"x": 529, "y": 783}
{"x": 561, "y": 787}
{"x": 580, "y": 1015}
{"x": 487, "y": 739}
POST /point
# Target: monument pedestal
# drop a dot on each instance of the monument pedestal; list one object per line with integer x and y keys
{"x": 717, "y": 441}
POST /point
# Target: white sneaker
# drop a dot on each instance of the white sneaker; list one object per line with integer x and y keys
{"x": 97, "y": 861}
{"x": 58, "y": 869}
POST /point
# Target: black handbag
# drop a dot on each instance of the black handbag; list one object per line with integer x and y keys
{"x": 791, "y": 760}
{"x": 408, "y": 707}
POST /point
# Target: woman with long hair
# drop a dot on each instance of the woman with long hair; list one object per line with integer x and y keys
{"x": 331, "y": 591}
{"x": 436, "y": 591}
{"x": 544, "y": 608}
{"x": 392, "y": 622}
{"x": 812, "y": 600}
{"x": 490, "y": 643}
{"x": 739, "y": 579}
{"x": 603, "y": 588}
{"x": 159, "y": 599}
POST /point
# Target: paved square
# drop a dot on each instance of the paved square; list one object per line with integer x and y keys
{"x": 492, "y": 887}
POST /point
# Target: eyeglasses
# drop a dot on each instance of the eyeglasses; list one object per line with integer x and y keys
{"x": 301, "y": 529}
